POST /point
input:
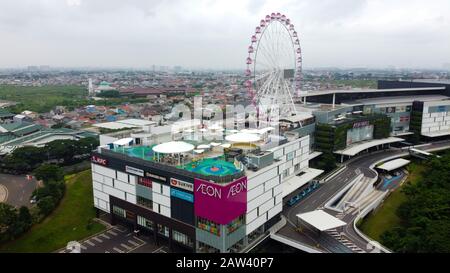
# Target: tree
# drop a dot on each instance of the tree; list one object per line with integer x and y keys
{"x": 49, "y": 172}
{"x": 8, "y": 217}
{"x": 24, "y": 221}
{"x": 46, "y": 205}
{"x": 425, "y": 215}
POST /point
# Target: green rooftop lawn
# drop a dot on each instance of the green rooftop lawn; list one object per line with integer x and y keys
{"x": 68, "y": 222}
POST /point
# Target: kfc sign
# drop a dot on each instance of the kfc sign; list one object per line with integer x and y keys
{"x": 220, "y": 203}
{"x": 97, "y": 160}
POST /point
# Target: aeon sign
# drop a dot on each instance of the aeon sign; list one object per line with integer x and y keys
{"x": 218, "y": 203}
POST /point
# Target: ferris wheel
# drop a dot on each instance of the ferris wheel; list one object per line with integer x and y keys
{"x": 274, "y": 65}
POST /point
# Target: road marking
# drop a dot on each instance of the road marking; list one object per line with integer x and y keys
{"x": 159, "y": 250}
{"x": 121, "y": 229}
{"x": 105, "y": 236}
{"x": 118, "y": 250}
{"x": 106, "y": 251}
{"x": 125, "y": 246}
{"x": 98, "y": 240}
{"x": 90, "y": 243}
{"x": 83, "y": 247}
{"x": 112, "y": 232}
{"x": 133, "y": 242}
{"x": 139, "y": 240}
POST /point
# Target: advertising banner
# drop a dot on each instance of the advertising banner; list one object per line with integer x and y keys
{"x": 220, "y": 204}
{"x": 182, "y": 195}
{"x": 181, "y": 184}
{"x": 133, "y": 170}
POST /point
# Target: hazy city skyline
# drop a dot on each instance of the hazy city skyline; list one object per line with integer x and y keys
{"x": 216, "y": 34}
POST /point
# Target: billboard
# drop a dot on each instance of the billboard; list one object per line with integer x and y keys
{"x": 182, "y": 195}
{"x": 220, "y": 204}
{"x": 359, "y": 133}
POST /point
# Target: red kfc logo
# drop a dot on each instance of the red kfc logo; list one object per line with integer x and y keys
{"x": 98, "y": 160}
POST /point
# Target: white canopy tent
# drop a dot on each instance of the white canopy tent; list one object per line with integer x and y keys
{"x": 321, "y": 220}
{"x": 173, "y": 147}
{"x": 242, "y": 137}
{"x": 203, "y": 146}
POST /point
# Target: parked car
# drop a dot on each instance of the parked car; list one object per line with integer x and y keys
{"x": 33, "y": 200}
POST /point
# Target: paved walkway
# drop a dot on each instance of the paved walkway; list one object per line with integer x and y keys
{"x": 3, "y": 193}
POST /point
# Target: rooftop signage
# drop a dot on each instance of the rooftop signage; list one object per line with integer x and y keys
{"x": 155, "y": 176}
{"x": 361, "y": 124}
{"x": 218, "y": 203}
{"x": 97, "y": 160}
{"x": 133, "y": 170}
{"x": 181, "y": 184}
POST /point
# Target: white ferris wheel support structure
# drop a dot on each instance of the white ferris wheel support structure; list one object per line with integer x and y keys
{"x": 274, "y": 66}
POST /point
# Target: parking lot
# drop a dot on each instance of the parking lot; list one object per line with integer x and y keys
{"x": 16, "y": 190}
{"x": 119, "y": 239}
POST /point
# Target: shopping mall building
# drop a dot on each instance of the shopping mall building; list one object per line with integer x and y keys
{"x": 202, "y": 196}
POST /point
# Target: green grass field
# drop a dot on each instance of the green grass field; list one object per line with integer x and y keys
{"x": 30, "y": 97}
{"x": 385, "y": 218}
{"x": 68, "y": 222}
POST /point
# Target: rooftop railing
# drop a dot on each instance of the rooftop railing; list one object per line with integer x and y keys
{"x": 172, "y": 169}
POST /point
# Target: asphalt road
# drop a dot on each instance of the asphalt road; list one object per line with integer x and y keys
{"x": 18, "y": 189}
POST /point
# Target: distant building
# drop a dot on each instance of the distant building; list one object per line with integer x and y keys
{"x": 5, "y": 116}
{"x": 18, "y": 134}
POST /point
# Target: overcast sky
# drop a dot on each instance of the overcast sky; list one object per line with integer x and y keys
{"x": 216, "y": 34}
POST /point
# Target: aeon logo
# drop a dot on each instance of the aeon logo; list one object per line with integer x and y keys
{"x": 216, "y": 192}
{"x": 237, "y": 188}
{"x": 210, "y": 191}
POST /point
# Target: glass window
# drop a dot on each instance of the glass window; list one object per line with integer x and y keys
{"x": 163, "y": 230}
{"x": 119, "y": 211}
{"x": 144, "y": 222}
{"x": 290, "y": 155}
{"x": 144, "y": 202}
{"x": 182, "y": 238}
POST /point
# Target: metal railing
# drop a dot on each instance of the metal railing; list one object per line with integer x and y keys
{"x": 172, "y": 169}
